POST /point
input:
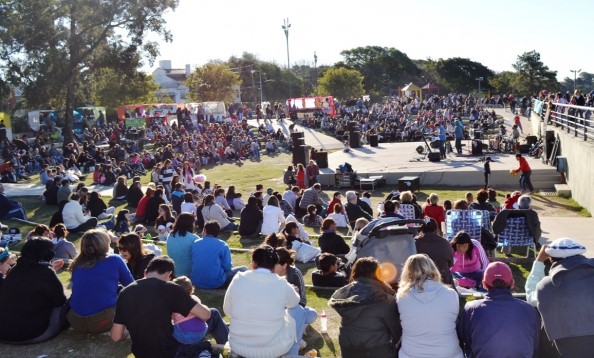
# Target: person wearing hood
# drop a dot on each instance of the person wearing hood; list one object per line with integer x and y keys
{"x": 564, "y": 297}
{"x": 459, "y": 134}
{"x": 428, "y": 311}
{"x": 370, "y": 322}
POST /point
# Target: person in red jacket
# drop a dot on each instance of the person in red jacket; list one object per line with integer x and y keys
{"x": 141, "y": 208}
{"x": 526, "y": 172}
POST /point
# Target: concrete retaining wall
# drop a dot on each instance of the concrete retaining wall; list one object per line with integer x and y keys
{"x": 580, "y": 164}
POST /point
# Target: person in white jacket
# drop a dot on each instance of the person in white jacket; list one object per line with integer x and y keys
{"x": 256, "y": 302}
{"x": 274, "y": 219}
{"x": 74, "y": 218}
{"x": 428, "y": 311}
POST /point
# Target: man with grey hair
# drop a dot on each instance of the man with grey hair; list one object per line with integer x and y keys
{"x": 353, "y": 210}
{"x": 524, "y": 210}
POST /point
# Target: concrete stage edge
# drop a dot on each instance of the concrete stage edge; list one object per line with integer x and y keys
{"x": 395, "y": 160}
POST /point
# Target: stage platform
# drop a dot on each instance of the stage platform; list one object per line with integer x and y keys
{"x": 395, "y": 160}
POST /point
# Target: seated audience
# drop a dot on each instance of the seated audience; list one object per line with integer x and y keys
{"x": 32, "y": 296}
{"x": 64, "y": 249}
{"x": 256, "y": 302}
{"x": 438, "y": 249}
{"x": 330, "y": 241}
{"x": 137, "y": 257}
{"x": 179, "y": 243}
{"x": 328, "y": 274}
{"x": 370, "y": 322}
{"x": 96, "y": 275}
{"x": 250, "y": 219}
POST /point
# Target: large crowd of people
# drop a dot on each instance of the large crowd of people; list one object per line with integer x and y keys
{"x": 123, "y": 284}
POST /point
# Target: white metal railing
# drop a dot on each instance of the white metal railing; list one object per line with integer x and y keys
{"x": 573, "y": 119}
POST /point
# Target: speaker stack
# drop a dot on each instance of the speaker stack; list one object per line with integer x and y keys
{"x": 354, "y": 134}
{"x": 322, "y": 159}
{"x": 301, "y": 154}
{"x": 373, "y": 140}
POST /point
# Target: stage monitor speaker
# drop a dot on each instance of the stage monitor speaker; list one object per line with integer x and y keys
{"x": 434, "y": 156}
{"x": 411, "y": 183}
{"x": 322, "y": 159}
{"x": 297, "y": 135}
{"x": 301, "y": 154}
{"x": 373, "y": 140}
{"x": 355, "y": 139}
{"x": 531, "y": 140}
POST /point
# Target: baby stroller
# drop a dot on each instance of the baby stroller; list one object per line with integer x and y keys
{"x": 389, "y": 240}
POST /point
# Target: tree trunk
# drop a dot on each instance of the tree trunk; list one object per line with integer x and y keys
{"x": 67, "y": 131}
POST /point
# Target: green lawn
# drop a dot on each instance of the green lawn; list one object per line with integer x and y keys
{"x": 244, "y": 176}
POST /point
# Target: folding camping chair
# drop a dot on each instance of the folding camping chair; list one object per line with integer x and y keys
{"x": 469, "y": 221}
{"x": 516, "y": 234}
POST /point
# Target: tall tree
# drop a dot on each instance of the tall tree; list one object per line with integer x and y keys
{"x": 461, "y": 74}
{"x": 108, "y": 88}
{"x": 533, "y": 74}
{"x": 341, "y": 83}
{"x": 382, "y": 68}
{"x": 503, "y": 82}
{"x": 49, "y": 44}
{"x": 214, "y": 81}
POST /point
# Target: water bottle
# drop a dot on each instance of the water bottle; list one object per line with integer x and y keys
{"x": 324, "y": 322}
{"x": 148, "y": 237}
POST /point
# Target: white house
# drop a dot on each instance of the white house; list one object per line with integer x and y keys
{"x": 171, "y": 81}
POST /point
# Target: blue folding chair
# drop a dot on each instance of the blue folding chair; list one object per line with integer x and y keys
{"x": 469, "y": 221}
{"x": 516, "y": 234}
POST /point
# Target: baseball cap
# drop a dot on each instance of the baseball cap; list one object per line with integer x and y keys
{"x": 498, "y": 271}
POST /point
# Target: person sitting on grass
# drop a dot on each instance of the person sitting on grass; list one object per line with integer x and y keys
{"x": 137, "y": 258}
{"x": 251, "y": 217}
{"x": 74, "y": 217}
{"x": 328, "y": 274}
{"x": 144, "y": 310}
{"x": 211, "y": 260}
{"x": 330, "y": 241}
{"x": 120, "y": 190}
{"x": 312, "y": 218}
{"x": 338, "y": 215}
{"x": 64, "y": 249}
{"x": 188, "y": 329}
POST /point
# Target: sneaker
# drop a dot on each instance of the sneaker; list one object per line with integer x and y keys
{"x": 105, "y": 216}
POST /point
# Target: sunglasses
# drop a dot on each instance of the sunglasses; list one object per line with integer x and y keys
{"x": 122, "y": 248}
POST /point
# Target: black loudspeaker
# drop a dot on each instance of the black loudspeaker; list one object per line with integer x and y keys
{"x": 478, "y": 134}
{"x": 434, "y": 156}
{"x": 322, "y": 159}
{"x": 531, "y": 140}
{"x": 411, "y": 183}
{"x": 524, "y": 148}
{"x": 477, "y": 147}
{"x": 355, "y": 139}
{"x": 301, "y": 154}
{"x": 299, "y": 141}
{"x": 352, "y": 125}
{"x": 373, "y": 140}
{"x": 296, "y": 135}
{"x": 550, "y": 136}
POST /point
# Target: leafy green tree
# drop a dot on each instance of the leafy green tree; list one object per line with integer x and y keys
{"x": 48, "y": 46}
{"x": 382, "y": 68}
{"x": 341, "y": 83}
{"x": 533, "y": 74}
{"x": 583, "y": 82}
{"x": 108, "y": 88}
{"x": 503, "y": 82}
{"x": 214, "y": 81}
{"x": 460, "y": 74}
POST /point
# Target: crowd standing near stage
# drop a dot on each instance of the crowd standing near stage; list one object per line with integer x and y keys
{"x": 121, "y": 282}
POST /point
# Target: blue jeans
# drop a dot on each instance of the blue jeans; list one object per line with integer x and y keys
{"x": 525, "y": 181}
{"x": 230, "y": 274}
{"x": 217, "y": 329}
{"x": 16, "y": 213}
{"x": 302, "y": 316}
{"x": 230, "y": 227}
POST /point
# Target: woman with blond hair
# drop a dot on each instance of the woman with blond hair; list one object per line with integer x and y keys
{"x": 96, "y": 277}
{"x": 428, "y": 311}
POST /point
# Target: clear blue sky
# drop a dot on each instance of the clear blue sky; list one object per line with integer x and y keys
{"x": 491, "y": 32}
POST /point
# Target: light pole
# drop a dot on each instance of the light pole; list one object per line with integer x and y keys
{"x": 286, "y": 26}
{"x": 479, "y": 79}
{"x": 575, "y": 73}
{"x": 316, "y": 69}
{"x": 254, "y": 87}
{"x": 260, "y": 74}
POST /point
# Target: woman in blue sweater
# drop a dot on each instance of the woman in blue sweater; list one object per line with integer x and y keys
{"x": 97, "y": 277}
{"x": 179, "y": 244}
